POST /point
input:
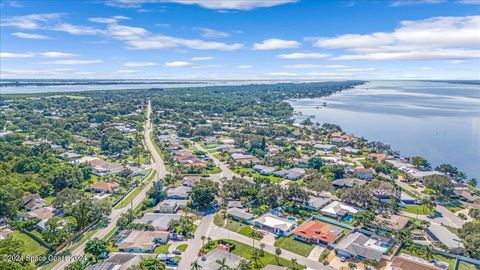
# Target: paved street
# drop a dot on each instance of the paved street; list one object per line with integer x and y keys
{"x": 116, "y": 213}
{"x": 194, "y": 245}
{"x": 447, "y": 217}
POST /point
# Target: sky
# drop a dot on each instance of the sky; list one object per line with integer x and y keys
{"x": 240, "y": 39}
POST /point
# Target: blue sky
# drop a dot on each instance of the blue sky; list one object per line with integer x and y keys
{"x": 241, "y": 39}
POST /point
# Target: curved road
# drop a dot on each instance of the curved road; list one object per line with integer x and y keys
{"x": 157, "y": 165}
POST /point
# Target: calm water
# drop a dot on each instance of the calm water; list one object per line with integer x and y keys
{"x": 439, "y": 121}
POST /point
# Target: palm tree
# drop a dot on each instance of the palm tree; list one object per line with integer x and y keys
{"x": 244, "y": 265}
{"x": 223, "y": 264}
{"x": 209, "y": 240}
{"x": 254, "y": 234}
{"x": 294, "y": 264}
{"x": 428, "y": 252}
{"x": 278, "y": 252}
{"x": 352, "y": 266}
{"x": 262, "y": 246}
{"x": 195, "y": 265}
{"x": 203, "y": 240}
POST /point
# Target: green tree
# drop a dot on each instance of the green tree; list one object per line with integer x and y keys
{"x": 222, "y": 264}
{"x": 420, "y": 162}
{"x": 203, "y": 193}
{"x": 96, "y": 247}
{"x": 195, "y": 265}
{"x": 278, "y": 252}
{"x": 315, "y": 163}
{"x": 152, "y": 264}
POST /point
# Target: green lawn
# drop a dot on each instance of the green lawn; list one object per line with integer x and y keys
{"x": 126, "y": 201}
{"x": 241, "y": 228}
{"x": 267, "y": 258}
{"x": 466, "y": 266}
{"x": 161, "y": 249}
{"x": 214, "y": 170}
{"x": 428, "y": 191}
{"x": 182, "y": 247}
{"x": 295, "y": 246}
{"x": 218, "y": 156}
{"x": 30, "y": 246}
{"x": 271, "y": 178}
{"x": 420, "y": 209}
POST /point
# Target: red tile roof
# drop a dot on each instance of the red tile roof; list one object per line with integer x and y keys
{"x": 316, "y": 230}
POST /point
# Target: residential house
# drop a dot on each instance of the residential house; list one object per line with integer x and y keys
{"x": 290, "y": 174}
{"x": 408, "y": 262}
{"x": 191, "y": 180}
{"x": 264, "y": 170}
{"x": 324, "y": 147}
{"x": 465, "y": 194}
{"x": 167, "y": 206}
{"x": 364, "y": 173}
{"x": 437, "y": 234}
{"x": 317, "y": 232}
{"x": 235, "y": 204}
{"x": 392, "y": 223}
{"x": 159, "y": 221}
{"x": 209, "y": 262}
{"x": 338, "y": 209}
{"x": 104, "y": 186}
{"x": 347, "y": 182}
{"x": 358, "y": 246}
{"x": 275, "y": 224}
{"x": 178, "y": 193}
{"x": 316, "y": 203}
{"x": 240, "y": 215}
{"x": 143, "y": 241}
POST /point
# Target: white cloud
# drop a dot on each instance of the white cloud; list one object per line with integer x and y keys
{"x": 36, "y": 73}
{"x": 15, "y": 55}
{"x": 72, "y": 62}
{"x": 179, "y": 64}
{"x": 303, "y": 66}
{"x": 201, "y": 58}
{"x": 140, "y": 39}
{"x": 110, "y": 20}
{"x": 401, "y": 3}
{"x": 212, "y": 33}
{"x": 470, "y": 2}
{"x": 209, "y": 4}
{"x": 139, "y": 64}
{"x": 127, "y": 71}
{"x": 32, "y": 21}
{"x": 76, "y": 29}
{"x": 57, "y": 54}
{"x": 455, "y": 62}
{"x": 432, "y": 38}
{"x": 244, "y": 66}
{"x": 29, "y": 35}
{"x": 303, "y": 56}
{"x": 275, "y": 43}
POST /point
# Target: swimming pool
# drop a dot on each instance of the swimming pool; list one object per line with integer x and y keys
{"x": 348, "y": 218}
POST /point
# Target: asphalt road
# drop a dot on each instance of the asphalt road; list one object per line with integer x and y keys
{"x": 157, "y": 165}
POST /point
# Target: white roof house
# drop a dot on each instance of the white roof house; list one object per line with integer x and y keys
{"x": 338, "y": 209}
{"x": 273, "y": 223}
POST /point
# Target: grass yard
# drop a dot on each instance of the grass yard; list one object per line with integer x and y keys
{"x": 30, "y": 246}
{"x": 214, "y": 170}
{"x": 218, "y": 156}
{"x": 420, "y": 209}
{"x": 267, "y": 258}
{"x": 295, "y": 246}
{"x": 466, "y": 266}
{"x": 271, "y": 178}
{"x": 241, "y": 228}
{"x": 429, "y": 191}
{"x": 161, "y": 249}
{"x": 182, "y": 247}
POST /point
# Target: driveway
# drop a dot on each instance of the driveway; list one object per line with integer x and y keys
{"x": 315, "y": 253}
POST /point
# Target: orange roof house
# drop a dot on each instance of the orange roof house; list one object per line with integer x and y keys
{"x": 317, "y": 232}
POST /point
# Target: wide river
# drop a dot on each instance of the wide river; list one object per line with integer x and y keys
{"x": 439, "y": 121}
